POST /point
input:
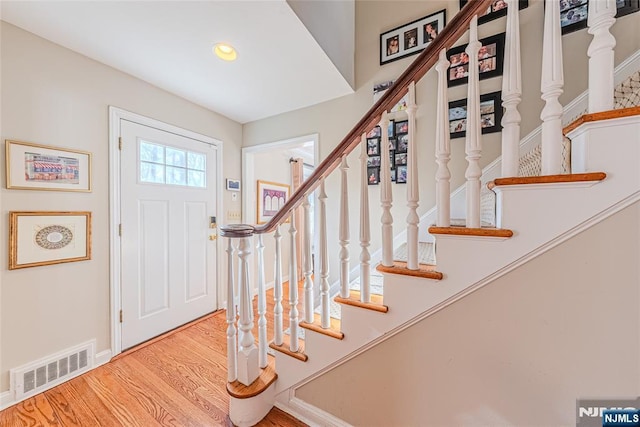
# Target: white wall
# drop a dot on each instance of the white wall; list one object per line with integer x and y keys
{"x": 519, "y": 351}
{"x": 53, "y": 96}
{"x": 333, "y": 119}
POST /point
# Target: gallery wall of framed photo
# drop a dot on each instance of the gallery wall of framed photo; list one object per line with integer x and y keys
{"x": 398, "y": 133}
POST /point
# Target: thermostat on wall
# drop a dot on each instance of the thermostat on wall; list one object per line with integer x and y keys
{"x": 233, "y": 184}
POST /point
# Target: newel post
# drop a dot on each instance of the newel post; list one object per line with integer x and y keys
{"x": 247, "y": 353}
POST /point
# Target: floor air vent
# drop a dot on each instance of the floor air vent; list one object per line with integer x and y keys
{"x": 48, "y": 372}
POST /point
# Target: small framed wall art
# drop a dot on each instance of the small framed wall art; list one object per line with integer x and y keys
{"x": 233, "y": 184}
{"x": 41, "y": 167}
{"x": 411, "y": 38}
{"x": 271, "y": 197}
{"x": 45, "y": 238}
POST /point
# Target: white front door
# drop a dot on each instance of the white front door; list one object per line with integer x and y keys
{"x": 168, "y": 198}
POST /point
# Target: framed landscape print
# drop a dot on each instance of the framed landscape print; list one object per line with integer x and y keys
{"x": 45, "y": 238}
{"x": 41, "y": 167}
{"x": 497, "y": 9}
{"x": 271, "y": 197}
{"x": 490, "y": 60}
{"x": 411, "y": 38}
{"x": 490, "y": 115}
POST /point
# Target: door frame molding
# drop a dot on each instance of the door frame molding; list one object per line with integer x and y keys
{"x": 115, "y": 116}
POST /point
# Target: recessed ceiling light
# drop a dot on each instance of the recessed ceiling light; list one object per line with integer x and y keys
{"x": 225, "y": 51}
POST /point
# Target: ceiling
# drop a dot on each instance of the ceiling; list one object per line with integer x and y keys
{"x": 280, "y": 66}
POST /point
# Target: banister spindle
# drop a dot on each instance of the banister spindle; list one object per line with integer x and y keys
{"x": 511, "y": 92}
{"x": 262, "y": 306}
{"x": 324, "y": 259}
{"x": 443, "y": 148}
{"x": 344, "y": 229}
{"x": 247, "y": 352}
{"x": 386, "y": 195}
{"x": 277, "y": 290}
{"x": 308, "y": 282}
{"x": 601, "y": 84}
{"x": 473, "y": 143}
{"x": 232, "y": 347}
{"x": 413, "y": 193}
{"x": 551, "y": 87}
{"x": 293, "y": 285}
{"x": 365, "y": 230}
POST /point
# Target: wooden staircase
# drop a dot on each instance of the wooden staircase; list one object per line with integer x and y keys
{"x": 469, "y": 255}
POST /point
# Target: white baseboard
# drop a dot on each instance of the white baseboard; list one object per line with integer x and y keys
{"x": 310, "y": 414}
{"x": 102, "y": 358}
{"x": 6, "y": 399}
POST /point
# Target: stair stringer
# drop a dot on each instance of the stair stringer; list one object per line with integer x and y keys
{"x": 542, "y": 216}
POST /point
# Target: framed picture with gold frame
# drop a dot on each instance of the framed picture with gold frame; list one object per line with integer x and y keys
{"x": 45, "y": 238}
{"x": 271, "y": 197}
{"x": 41, "y": 167}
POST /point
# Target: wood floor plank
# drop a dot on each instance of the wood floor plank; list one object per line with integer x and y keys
{"x": 175, "y": 374}
{"x": 69, "y": 407}
{"x": 123, "y": 405}
{"x": 34, "y": 412}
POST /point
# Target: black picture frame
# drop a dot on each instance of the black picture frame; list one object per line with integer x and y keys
{"x": 402, "y": 127}
{"x": 373, "y": 176}
{"x": 374, "y": 133}
{"x": 402, "y": 143}
{"x": 574, "y": 13}
{"x": 496, "y": 10}
{"x": 490, "y": 115}
{"x": 411, "y": 38}
{"x": 373, "y": 161}
{"x": 625, "y": 7}
{"x": 492, "y": 58}
{"x": 373, "y": 146}
{"x": 401, "y": 175}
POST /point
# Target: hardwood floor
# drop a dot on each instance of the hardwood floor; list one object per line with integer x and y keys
{"x": 178, "y": 380}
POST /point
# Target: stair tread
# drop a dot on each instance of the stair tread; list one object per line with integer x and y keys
{"x": 354, "y": 300}
{"x": 426, "y": 271}
{"x": 284, "y": 348}
{"x": 333, "y": 330}
{"x": 468, "y": 231}
{"x": 267, "y": 376}
{"x": 603, "y": 115}
{"x": 550, "y": 179}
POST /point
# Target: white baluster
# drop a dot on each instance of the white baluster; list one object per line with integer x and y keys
{"x": 443, "y": 148}
{"x": 324, "y": 259}
{"x": 413, "y": 193}
{"x": 386, "y": 195}
{"x": 262, "y": 306}
{"x": 232, "y": 355}
{"x": 293, "y": 285}
{"x": 473, "y": 143}
{"x": 365, "y": 230}
{"x": 551, "y": 87}
{"x": 344, "y": 229}
{"x": 601, "y": 85}
{"x": 247, "y": 352}
{"x": 308, "y": 269}
{"x": 277, "y": 290}
{"x": 511, "y": 93}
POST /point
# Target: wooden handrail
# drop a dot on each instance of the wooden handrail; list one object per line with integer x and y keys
{"x": 423, "y": 63}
